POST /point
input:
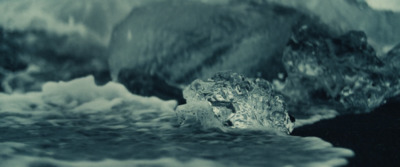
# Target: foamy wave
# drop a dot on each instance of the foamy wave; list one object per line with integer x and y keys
{"x": 316, "y": 114}
{"x": 79, "y": 96}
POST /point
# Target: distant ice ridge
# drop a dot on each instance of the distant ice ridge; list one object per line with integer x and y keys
{"x": 232, "y": 100}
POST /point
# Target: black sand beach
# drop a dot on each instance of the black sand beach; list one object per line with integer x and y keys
{"x": 373, "y": 137}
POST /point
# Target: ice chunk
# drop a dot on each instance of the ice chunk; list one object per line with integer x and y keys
{"x": 232, "y": 100}
{"x": 180, "y": 41}
{"x": 345, "y": 15}
{"x": 341, "y": 70}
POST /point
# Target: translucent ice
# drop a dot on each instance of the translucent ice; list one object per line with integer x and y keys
{"x": 232, "y": 100}
{"x": 342, "y": 71}
{"x": 344, "y": 15}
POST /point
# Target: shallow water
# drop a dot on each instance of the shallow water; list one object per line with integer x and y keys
{"x": 60, "y": 127}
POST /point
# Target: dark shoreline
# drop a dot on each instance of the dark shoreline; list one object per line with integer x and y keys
{"x": 374, "y": 137}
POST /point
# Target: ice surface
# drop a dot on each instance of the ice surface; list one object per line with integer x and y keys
{"x": 338, "y": 70}
{"x": 180, "y": 41}
{"x": 381, "y": 27}
{"x": 232, "y": 100}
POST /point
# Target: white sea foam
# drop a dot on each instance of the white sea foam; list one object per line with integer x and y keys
{"x": 320, "y": 152}
{"x": 316, "y": 114}
{"x": 79, "y": 96}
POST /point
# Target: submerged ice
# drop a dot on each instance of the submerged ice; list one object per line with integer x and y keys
{"x": 232, "y": 100}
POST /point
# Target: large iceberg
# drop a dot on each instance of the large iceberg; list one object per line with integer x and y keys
{"x": 232, "y": 100}
{"x": 180, "y": 41}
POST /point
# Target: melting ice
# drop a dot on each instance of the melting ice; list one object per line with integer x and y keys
{"x": 232, "y": 100}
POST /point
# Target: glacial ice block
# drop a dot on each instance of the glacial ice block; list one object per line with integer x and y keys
{"x": 343, "y": 71}
{"x": 180, "y": 41}
{"x": 380, "y": 26}
{"x": 232, "y": 100}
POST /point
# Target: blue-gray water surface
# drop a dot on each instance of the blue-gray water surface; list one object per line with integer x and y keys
{"x": 89, "y": 126}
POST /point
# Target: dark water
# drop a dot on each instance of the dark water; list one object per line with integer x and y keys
{"x": 373, "y": 136}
